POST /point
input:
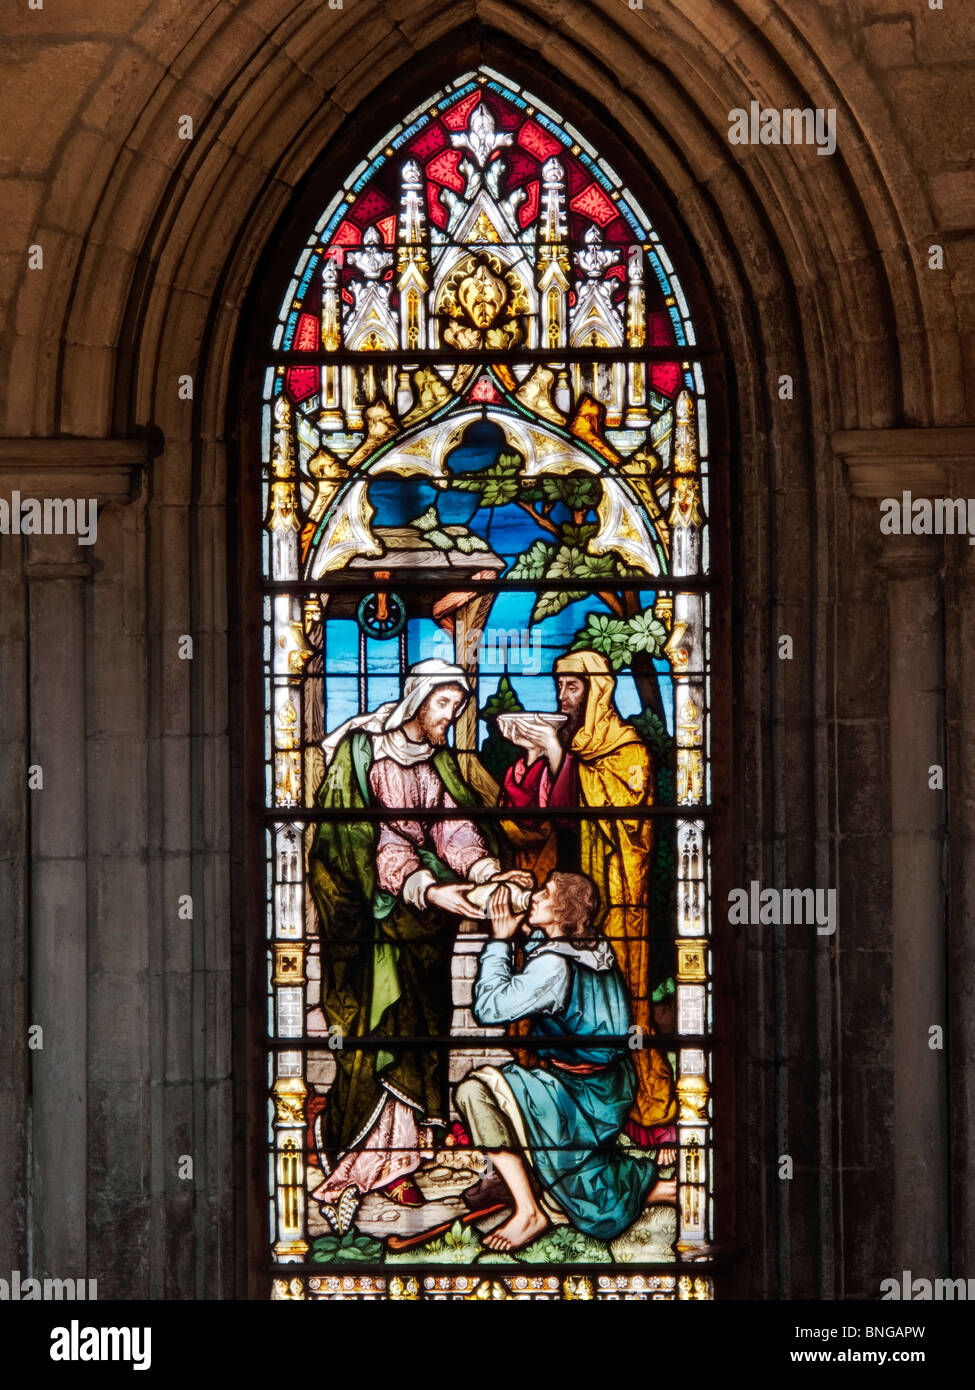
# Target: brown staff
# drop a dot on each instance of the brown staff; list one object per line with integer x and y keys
{"x": 408, "y": 1242}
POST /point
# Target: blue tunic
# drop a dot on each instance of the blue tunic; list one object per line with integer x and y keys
{"x": 572, "y": 1121}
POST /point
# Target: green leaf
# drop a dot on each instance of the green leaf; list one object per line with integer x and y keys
{"x": 566, "y": 562}
{"x": 469, "y": 542}
{"x": 606, "y": 635}
{"x": 497, "y": 484}
{"x": 367, "y": 1246}
{"x": 324, "y": 1245}
{"x": 599, "y": 566}
{"x": 579, "y": 536}
{"x": 351, "y": 1246}
{"x": 602, "y": 628}
{"x": 595, "y": 566}
{"x": 333, "y": 1249}
{"x": 503, "y": 701}
{"x": 653, "y": 731}
{"x": 647, "y": 634}
{"x": 499, "y": 492}
{"x": 533, "y": 562}
{"x": 578, "y": 491}
{"x": 530, "y": 490}
{"x": 565, "y": 1245}
{"x": 624, "y": 571}
{"x": 457, "y": 1236}
{"x": 553, "y": 601}
{"x": 572, "y": 563}
{"x": 428, "y": 524}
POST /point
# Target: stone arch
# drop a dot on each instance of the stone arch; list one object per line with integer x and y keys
{"x": 139, "y": 227}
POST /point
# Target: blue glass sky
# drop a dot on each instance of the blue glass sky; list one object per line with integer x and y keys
{"x": 526, "y": 659}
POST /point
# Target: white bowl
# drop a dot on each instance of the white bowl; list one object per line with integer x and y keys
{"x": 508, "y": 723}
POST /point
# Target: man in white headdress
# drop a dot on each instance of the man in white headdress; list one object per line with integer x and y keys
{"x": 390, "y": 892}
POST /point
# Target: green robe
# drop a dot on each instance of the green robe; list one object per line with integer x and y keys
{"x": 385, "y": 965}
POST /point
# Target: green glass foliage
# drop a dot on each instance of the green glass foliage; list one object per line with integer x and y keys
{"x": 498, "y": 753}
{"x": 352, "y": 1246}
{"x": 620, "y": 639}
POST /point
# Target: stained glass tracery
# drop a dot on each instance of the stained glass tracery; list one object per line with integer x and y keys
{"x": 487, "y": 679}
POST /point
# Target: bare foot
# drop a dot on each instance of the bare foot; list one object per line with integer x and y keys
{"x": 518, "y": 1231}
{"x": 662, "y": 1192}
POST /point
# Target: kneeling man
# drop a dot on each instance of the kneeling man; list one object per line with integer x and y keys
{"x": 565, "y": 1117}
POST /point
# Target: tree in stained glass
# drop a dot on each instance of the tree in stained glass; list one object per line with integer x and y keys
{"x": 487, "y": 674}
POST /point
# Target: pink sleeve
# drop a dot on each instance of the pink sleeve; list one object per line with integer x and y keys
{"x": 457, "y": 841}
{"x": 398, "y": 841}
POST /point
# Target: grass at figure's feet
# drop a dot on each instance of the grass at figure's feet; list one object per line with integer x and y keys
{"x": 564, "y": 1245}
{"x": 649, "y": 1240}
{"x": 461, "y": 1245}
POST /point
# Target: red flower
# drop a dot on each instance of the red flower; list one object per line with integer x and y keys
{"x": 457, "y": 1137}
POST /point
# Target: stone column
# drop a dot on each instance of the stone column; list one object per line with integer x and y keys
{"x": 919, "y": 906}
{"x": 960, "y": 794}
{"x": 56, "y": 574}
{"x": 885, "y": 464}
{"x": 14, "y": 904}
{"x": 54, "y": 755}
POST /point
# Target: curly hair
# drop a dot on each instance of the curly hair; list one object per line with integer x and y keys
{"x": 577, "y": 902}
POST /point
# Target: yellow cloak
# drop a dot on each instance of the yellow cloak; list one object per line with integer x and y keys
{"x": 615, "y": 769}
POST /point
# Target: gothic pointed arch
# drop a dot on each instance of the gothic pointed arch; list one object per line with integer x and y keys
{"x": 486, "y": 471}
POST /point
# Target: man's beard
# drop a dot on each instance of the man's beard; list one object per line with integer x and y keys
{"x": 435, "y": 733}
{"x": 573, "y": 723}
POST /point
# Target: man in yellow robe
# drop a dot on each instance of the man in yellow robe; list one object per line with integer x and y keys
{"x": 597, "y": 760}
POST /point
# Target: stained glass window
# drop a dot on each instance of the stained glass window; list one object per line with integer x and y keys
{"x": 487, "y": 679}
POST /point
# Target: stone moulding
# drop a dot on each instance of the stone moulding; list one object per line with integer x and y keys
{"x": 882, "y": 463}
{"x": 112, "y": 470}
